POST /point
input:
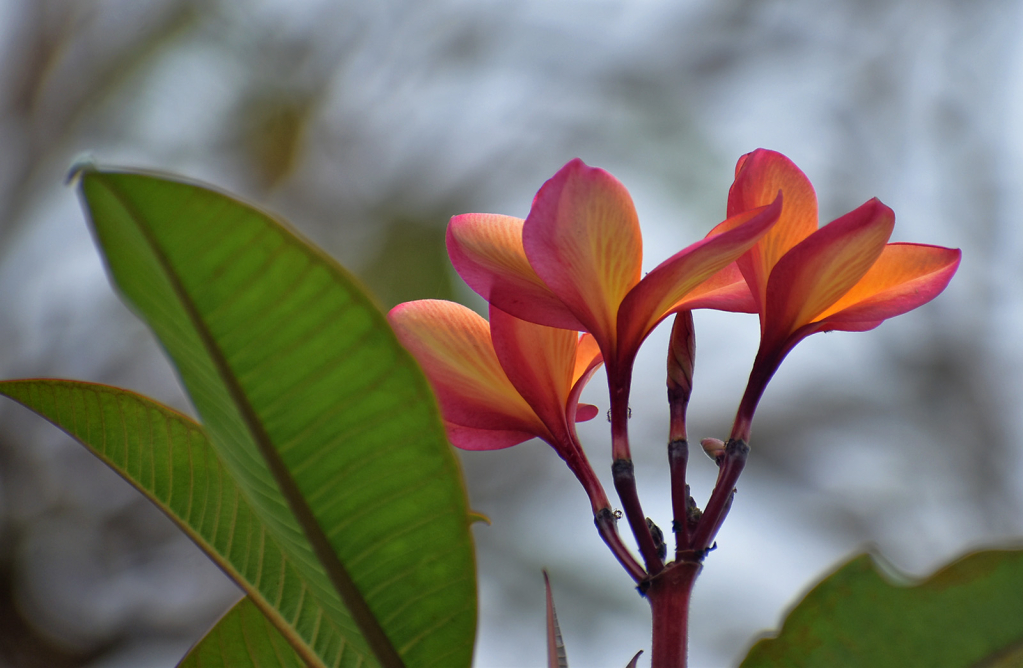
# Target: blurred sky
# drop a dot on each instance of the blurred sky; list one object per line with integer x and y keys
{"x": 367, "y": 125}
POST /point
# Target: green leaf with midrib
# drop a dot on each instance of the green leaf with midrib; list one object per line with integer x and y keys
{"x": 326, "y": 423}
{"x": 243, "y": 638}
{"x": 969, "y": 613}
{"x": 167, "y": 457}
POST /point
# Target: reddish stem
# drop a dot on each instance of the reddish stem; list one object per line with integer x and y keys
{"x": 677, "y": 418}
{"x": 732, "y": 463}
{"x": 606, "y": 527}
{"x": 618, "y": 389}
{"x": 584, "y": 473}
{"x": 603, "y": 517}
{"x": 678, "y": 458}
{"x": 625, "y": 484}
{"x": 669, "y": 594}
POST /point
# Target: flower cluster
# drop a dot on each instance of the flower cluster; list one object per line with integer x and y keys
{"x": 566, "y": 293}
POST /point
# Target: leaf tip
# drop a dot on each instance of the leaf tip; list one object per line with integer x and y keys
{"x": 82, "y": 164}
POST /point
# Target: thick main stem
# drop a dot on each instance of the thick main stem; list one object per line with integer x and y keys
{"x": 669, "y": 595}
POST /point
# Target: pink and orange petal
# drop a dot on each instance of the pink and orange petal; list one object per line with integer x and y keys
{"x": 582, "y": 237}
{"x": 486, "y": 251}
{"x": 501, "y": 383}
{"x": 843, "y": 276}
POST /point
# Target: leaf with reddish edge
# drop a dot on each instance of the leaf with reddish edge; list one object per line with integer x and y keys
{"x": 556, "y": 656}
{"x": 759, "y": 176}
{"x": 666, "y": 288}
{"x": 582, "y": 237}
{"x": 819, "y": 270}
{"x": 486, "y": 251}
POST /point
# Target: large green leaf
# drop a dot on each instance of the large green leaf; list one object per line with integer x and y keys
{"x": 969, "y": 613}
{"x": 168, "y": 458}
{"x": 325, "y": 422}
{"x": 243, "y": 638}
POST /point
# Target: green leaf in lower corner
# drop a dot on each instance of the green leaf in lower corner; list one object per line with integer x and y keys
{"x": 243, "y": 638}
{"x": 325, "y": 422}
{"x": 969, "y": 613}
{"x": 167, "y": 457}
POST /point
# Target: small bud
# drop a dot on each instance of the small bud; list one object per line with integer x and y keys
{"x": 682, "y": 354}
{"x": 713, "y": 447}
{"x": 681, "y": 360}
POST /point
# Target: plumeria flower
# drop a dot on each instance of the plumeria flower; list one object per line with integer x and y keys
{"x": 505, "y": 382}
{"x": 843, "y": 276}
{"x": 575, "y": 262}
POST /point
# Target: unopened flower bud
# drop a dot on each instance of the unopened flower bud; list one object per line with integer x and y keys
{"x": 713, "y": 447}
{"x": 681, "y": 359}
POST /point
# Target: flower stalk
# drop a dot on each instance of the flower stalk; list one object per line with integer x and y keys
{"x": 624, "y": 476}
{"x": 731, "y": 466}
{"x": 678, "y": 459}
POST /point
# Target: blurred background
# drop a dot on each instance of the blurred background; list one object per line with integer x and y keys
{"x": 367, "y": 125}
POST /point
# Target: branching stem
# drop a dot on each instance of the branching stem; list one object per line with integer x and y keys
{"x": 624, "y": 476}
{"x": 678, "y": 459}
{"x": 732, "y": 463}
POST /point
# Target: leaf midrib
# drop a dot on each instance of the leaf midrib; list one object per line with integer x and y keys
{"x": 357, "y": 606}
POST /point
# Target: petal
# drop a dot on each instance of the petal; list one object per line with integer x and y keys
{"x": 758, "y": 178}
{"x": 486, "y": 251}
{"x": 539, "y": 362}
{"x": 667, "y": 287}
{"x": 470, "y": 438}
{"x": 587, "y": 357}
{"x": 904, "y": 277}
{"x": 726, "y": 290}
{"x": 582, "y": 238}
{"x": 452, "y": 344}
{"x": 817, "y": 272}
{"x": 587, "y": 360}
